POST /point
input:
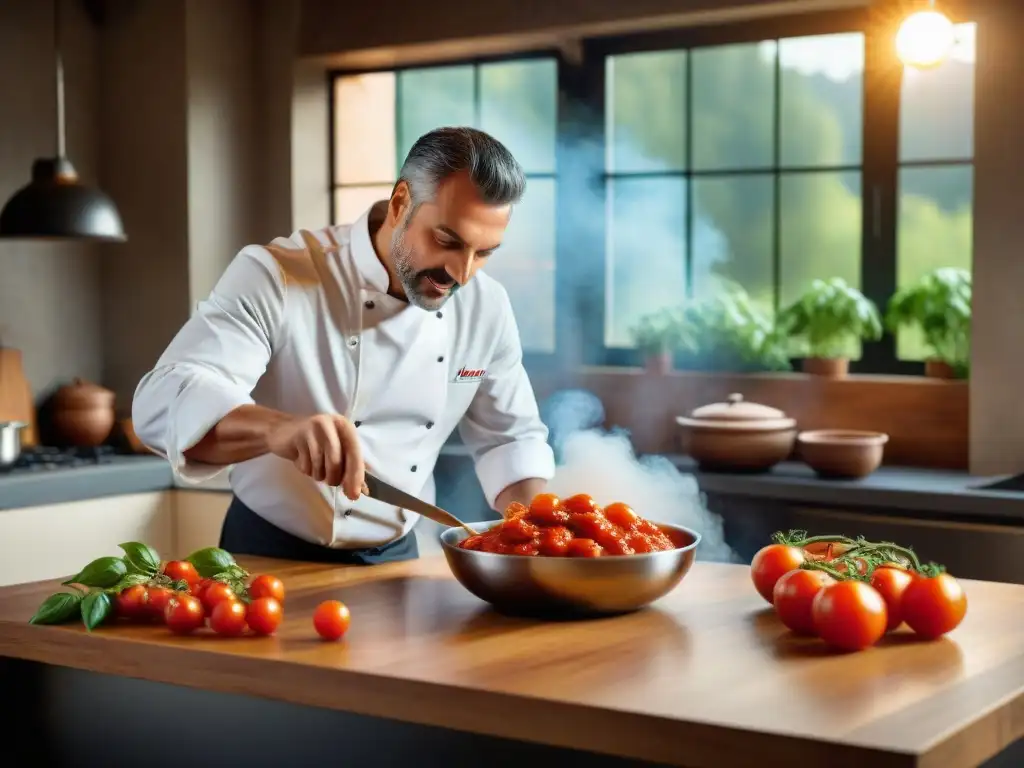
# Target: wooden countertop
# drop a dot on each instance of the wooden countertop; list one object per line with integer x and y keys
{"x": 707, "y": 677}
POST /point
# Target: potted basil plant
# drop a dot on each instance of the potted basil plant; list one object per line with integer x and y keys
{"x": 657, "y": 336}
{"x": 827, "y": 321}
{"x": 939, "y": 304}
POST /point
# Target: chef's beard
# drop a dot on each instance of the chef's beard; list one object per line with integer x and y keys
{"x": 413, "y": 280}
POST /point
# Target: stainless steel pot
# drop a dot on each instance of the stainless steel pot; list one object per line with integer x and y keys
{"x": 568, "y": 586}
{"x": 10, "y": 442}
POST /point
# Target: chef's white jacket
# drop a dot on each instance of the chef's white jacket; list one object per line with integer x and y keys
{"x": 308, "y": 335}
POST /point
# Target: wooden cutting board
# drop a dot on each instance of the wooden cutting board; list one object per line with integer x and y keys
{"x": 16, "y": 403}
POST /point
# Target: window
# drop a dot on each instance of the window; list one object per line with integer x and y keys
{"x": 762, "y": 155}
{"x": 936, "y": 173}
{"x": 740, "y": 162}
{"x": 379, "y": 115}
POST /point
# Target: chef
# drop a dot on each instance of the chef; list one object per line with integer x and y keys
{"x": 357, "y": 348}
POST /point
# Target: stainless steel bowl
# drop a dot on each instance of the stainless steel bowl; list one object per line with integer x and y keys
{"x": 566, "y": 586}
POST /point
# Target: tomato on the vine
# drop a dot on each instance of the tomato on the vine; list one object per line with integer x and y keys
{"x": 216, "y": 592}
{"x": 331, "y": 619}
{"x": 933, "y": 606}
{"x": 264, "y": 615}
{"x": 770, "y": 563}
{"x": 184, "y": 614}
{"x": 850, "y": 615}
{"x": 182, "y": 570}
{"x": 266, "y": 585}
{"x": 157, "y": 599}
{"x": 793, "y": 596}
{"x": 228, "y": 617}
{"x": 131, "y": 602}
{"x": 891, "y": 584}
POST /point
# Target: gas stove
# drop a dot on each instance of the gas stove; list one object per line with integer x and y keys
{"x": 46, "y": 458}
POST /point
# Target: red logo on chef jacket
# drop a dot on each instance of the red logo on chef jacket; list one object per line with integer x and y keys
{"x": 469, "y": 375}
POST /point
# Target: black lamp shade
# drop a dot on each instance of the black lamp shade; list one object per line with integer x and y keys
{"x": 56, "y": 205}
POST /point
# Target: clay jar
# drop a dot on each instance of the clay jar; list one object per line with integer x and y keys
{"x": 736, "y": 436}
{"x": 83, "y": 414}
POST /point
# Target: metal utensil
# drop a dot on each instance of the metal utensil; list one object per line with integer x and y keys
{"x": 378, "y": 489}
{"x": 561, "y": 587}
{"x": 10, "y": 442}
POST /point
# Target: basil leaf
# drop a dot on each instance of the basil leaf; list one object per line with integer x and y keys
{"x": 102, "y": 572}
{"x": 141, "y": 558}
{"x": 96, "y": 607}
{"x": 57, "y": 608}
{"x": 211, "y": 561}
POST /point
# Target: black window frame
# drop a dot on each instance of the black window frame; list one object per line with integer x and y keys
{"x": 580, "y": 169}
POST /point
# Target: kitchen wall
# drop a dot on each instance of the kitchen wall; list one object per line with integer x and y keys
{"x": 50, "y": 299}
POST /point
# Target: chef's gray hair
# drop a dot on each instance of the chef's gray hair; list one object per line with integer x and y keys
{"x": 437, "y": 155}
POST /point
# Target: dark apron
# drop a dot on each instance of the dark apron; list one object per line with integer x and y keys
{"x": 246, "y": 533}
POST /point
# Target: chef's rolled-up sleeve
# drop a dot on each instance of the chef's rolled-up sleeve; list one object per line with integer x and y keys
{"x": 502, "y": 426}
{"x": 212, "y": 365}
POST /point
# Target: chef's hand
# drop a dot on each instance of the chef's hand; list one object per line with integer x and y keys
{"x": 324, "y": 447}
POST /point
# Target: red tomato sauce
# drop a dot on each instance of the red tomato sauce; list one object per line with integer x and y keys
{"x": 573, "y": 527}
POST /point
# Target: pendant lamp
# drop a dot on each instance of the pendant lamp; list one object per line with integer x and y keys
{"x": 55, "y": 204}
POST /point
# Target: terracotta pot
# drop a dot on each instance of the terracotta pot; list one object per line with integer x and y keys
{"x": 829, "y": 367}
{"x": 737, "y": 436}
{"x": 938, "y": 369}
{"x": 660, "y": 363}
{"x": 842, "y": 453}
{"x": 83, "y": 414}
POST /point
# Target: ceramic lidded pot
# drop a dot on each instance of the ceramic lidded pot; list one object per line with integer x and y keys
{"x": 737, "y": 436}
{"x": 83, "y": 414}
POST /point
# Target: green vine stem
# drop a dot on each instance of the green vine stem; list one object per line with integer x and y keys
{"x": 859, "y": 558}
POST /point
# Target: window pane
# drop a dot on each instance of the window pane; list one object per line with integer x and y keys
{"x": 519, "y": 107}
{"x": 351, "y": 202}
{"x": 937, "y": 105}
{"x": 819, "y": 230}
{"x": 525, "y": 265}
{"x": 733, "y": 233}
{"x": 733, "y": 106}
{"x": 364, "y": 128}
{"x": 646, "y": 263}
{"x": 430, "y": 98}
{"x": 821, "y": 100}
{"x": 935, "y": 230}
{"x": 645, "y": 112}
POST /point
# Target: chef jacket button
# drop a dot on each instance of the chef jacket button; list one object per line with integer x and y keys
{"x": 369, "y": 305}
{"x": 357, "y": 423}
{"x": 412, "y": 468}
{"x": 348, "y": 512}
{"x": 439, "y": 314}
{"x": 430, "y": 424}
{"x": 353, "y": 341}
{"x": 440, "y": 359}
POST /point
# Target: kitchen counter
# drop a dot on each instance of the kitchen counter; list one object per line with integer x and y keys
{"x": 115, "y": 476}
{"x": 706, "y": 677}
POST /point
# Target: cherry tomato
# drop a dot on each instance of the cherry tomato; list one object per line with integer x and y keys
{"x": 182, "y": 570}
{"x": 157, "y": 599}
{"x": 264, "y": 615}
{"x": 770, "y": 563}
{"x": 228, "y": 618}
{"x": 266, "y": 585}
{"x": 331, "y": 619}
{"x": 184, "y": 614}
{"x": 849, "y": 615}
{"x": 621, "y": 515}
{"x": 891, "y": 583}
{"x": 200, "y": 586}
{"x": 933, "y": 606}
{"x": 580, "y": 504}
{"x": 518, "y": 530}
{"x": 217, "y": 592}
{"x": 554, "y": 542}
{"x": 515, "y": 509}
{"x": 546, "y": 509}
{"x": 583, "y": 548}
{"x": 793, "y": 596}
{"x": 131, "y": 602}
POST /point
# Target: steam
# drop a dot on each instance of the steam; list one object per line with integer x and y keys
{"x": 603, "y": 464}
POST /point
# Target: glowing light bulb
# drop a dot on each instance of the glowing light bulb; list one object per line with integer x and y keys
{"x": 925, "y": 39}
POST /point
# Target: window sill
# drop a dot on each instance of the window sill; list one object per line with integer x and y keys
{"x": 926, "y": 419}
